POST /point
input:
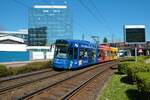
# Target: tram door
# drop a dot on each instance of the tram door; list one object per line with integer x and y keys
{"x": 75, "y": 57}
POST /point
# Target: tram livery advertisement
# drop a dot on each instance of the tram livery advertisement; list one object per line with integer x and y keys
{"x": 71, "y": 54}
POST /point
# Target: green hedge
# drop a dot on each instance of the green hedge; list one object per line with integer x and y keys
{"x": 142, "y": 58}
{"x": 135, "y": 68}
{"x": 122, "y": 67}
{"x": 33, "y": 66}
{"x": 128, "y": 59}
{"x": 3, "y": 70}
{"x": 139, "y": 59}
{"x": 143, "y": 81}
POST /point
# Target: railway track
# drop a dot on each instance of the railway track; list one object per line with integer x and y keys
{"x": 18, "y": 81}
{"x": 65, "y": 88}
{"x": 90, "y": 90}
{"x": 23, "y": 75}
{"x": 55, "y": 86}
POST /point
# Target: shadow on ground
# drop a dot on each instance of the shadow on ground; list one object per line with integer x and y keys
{"x": 133, "y": 94}
{"x": 126, "y": 80}
{"x": 118, "y": 73}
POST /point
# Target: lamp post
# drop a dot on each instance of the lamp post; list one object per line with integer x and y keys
{"x": 96, "y": 39}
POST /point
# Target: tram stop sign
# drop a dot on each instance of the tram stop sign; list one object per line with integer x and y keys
{"x": 140, "y": 51}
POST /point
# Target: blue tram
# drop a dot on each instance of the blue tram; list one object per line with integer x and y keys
{"x": 74, "y": 54}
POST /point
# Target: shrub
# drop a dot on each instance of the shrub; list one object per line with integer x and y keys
{"x": 143, "y": 81}
{"x": 135, "y": 68}
{"x": 3, "y": 70}
{"x": 128, "y": 59}
{"x": 142, "y": 58}
{"x": 33, "y": 66}
{"x": 122, "y": 67}
{"x": 139, "y": 58}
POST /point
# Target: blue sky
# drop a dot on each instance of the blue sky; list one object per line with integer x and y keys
{"x": 113, "y": 15}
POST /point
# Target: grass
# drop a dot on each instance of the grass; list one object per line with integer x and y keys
{"x": 119, "y": 88}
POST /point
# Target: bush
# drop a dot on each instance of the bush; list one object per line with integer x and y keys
{"x": 122, "y": 67}
{"x": 139, "y": 59}
{"x": 128, "y": 59}
{"x": 135, "y": 68}
{"x": 142, "y": 58}
{"x": 3, "y": 70}
{"x": 143, "y": 81}
{"x": 33, "y": 66}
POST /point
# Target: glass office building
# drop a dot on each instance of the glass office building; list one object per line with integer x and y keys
{"x": 48, "y": 23}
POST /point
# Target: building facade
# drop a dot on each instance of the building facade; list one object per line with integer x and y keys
{"x": 22, "y": 33}
{"x": 37, "y": 36}
{"x": 41, "y": 52}
{"x": 48, "y": 23}
{"x": 13, "y": 49}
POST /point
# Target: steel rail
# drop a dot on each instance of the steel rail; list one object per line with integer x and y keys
{"x": 27, "y": 96}
{"x": 76, "y": 89}
{"x": 23, "y": 75}
{"x": 4, "y": 90}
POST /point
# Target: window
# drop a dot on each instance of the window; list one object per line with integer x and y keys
{"x": 81, "y": 53}
{"x": 61, "y": 51}
{"x": 86, "y": 53}
{"x": 71, "y": 53}
{"x": 99, "y": 53}
{"x": 75, "y": 53}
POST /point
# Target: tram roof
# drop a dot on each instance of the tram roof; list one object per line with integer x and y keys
{"x": 83, "y": 43}
{"x": 76, "y": 41}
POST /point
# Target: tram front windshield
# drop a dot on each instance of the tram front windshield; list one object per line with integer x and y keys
{"x": 61, "y": 51}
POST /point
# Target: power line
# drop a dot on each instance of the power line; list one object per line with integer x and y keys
{"x": 21, "y": 3}
{"x": 89, "y": 10}
{"x": 94, "y": 15}
{"x": 101, "y": 15}
{"x": 103, "y": 18}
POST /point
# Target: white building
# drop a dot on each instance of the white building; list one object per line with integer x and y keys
{"x": 41, "y": 52}
{"x": 11, "y": 43}
{"x": 13, "y": 49}
{"x": 22, "y": 33}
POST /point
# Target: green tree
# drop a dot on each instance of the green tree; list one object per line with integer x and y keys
{"x": 105, "y": 40}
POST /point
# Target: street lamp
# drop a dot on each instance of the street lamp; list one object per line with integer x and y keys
{"x": 96, "y": 39}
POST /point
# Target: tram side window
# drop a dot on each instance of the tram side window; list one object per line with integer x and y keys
{"x": 71, "y": 53}
{"x": 115, "y": 53}
{"x": 106, "y": 53}
{"x": 75, "y": 53}
{"x": 99, "y": 53}
{"x": 112, "y": 53}
{"x": 93, "y": 54}
{"x": 81, "y": 54}
{"x": 85, "y": 53}
{"x": 109, "y": 53}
